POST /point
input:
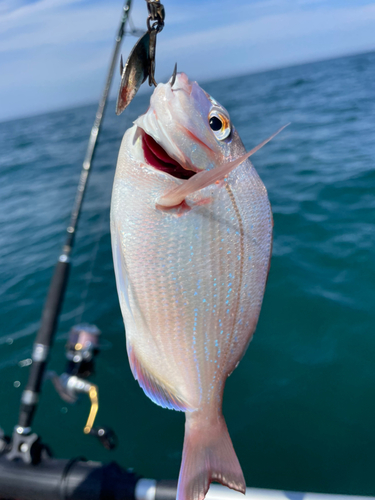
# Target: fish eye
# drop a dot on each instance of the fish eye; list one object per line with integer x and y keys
{"x": 215, "y": 123}
{"x": 220, "y": 124}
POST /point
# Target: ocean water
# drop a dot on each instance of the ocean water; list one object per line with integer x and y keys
{"x": 301, "y": 405}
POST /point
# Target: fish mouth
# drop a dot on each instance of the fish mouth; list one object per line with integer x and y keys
{"x": 158, "y": 158}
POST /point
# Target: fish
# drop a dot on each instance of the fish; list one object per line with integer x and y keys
{"x": 191, "y": 231}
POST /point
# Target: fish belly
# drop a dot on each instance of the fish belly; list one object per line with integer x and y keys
{"x": 191, "y": 285}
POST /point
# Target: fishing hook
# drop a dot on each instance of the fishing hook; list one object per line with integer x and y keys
{"x": 174, "y": 74}
{"x": 121, "y": 65}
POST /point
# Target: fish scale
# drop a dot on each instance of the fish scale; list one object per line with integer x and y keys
{"x": 190, "y": 279}
{"x": 154, "y": 281}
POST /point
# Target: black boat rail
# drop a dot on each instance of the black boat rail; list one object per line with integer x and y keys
{"x": 77, "y": 479}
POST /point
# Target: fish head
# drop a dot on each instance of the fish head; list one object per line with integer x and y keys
{"x": 185, "y": 131}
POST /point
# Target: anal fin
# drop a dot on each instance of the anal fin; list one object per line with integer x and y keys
{"x": 160, "y": 393}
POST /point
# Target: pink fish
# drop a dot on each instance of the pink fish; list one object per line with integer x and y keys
{"x": 191, "y": 228}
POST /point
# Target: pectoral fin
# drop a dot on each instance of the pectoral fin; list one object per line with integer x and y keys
{"x": 206, "y": 178}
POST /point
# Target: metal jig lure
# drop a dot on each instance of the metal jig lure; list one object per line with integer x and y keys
{"x": 141, "y": 61}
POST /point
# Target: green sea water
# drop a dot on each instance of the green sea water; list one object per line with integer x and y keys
{"x": 301, "y": 405}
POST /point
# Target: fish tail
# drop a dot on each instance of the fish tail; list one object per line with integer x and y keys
{"x": 208, "y": 455}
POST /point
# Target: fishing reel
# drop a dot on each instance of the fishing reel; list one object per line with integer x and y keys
{"x": 81, "y": 349}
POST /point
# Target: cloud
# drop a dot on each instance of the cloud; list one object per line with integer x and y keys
{"x": 271, "y": 40}
{"x": 277, "y": 27}
{"x": 280, "y": 27}
{"x": 23, "y": 14}
{"x": 56, "y": 22}
{"x": 56, "y": 52}
{"x": 64, "y": 22}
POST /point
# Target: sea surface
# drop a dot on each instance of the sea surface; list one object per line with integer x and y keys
{"x": 301, "y": 406}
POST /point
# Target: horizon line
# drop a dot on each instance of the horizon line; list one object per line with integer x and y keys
{"x": 204, "y": 81}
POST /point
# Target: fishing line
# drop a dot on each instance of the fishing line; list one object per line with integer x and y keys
{"x": 90, "y": 275}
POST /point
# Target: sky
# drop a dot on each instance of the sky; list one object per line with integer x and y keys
{"x": 55, "y": 53}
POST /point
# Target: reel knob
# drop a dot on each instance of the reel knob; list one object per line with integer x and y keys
{"x": 106, "y": 436}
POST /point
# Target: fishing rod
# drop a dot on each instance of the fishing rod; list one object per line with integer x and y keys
{"x": 142, "y": 62}
{"x": 22, "y": 438}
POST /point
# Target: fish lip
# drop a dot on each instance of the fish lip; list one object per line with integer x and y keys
{"x": 158, "y": 158}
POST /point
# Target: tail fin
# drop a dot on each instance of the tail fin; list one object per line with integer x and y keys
{"x": 208, "y": 455}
